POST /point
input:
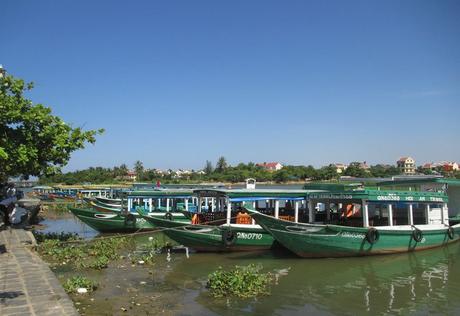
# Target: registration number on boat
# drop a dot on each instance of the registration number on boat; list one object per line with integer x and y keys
{"x": 352, "y": 235}
{"x": 248, "y": 235}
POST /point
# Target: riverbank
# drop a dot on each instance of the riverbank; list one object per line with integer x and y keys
{"x": 425, "y": 282}
{"x": 27, "y": 284}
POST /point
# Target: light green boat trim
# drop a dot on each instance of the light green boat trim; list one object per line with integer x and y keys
{"x": 405, "y": 182}
{"x": 248, "y": 193}
{"x": 162, "y": 193}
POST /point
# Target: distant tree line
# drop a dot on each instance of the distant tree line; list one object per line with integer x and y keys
{"x": 223, "y": 172}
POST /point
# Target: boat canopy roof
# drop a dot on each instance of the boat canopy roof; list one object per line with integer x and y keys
{"x": 240, "y": 195}
{"x": 162, "y": 193}
{"x": 382, "y": 196}
{"x": 42, "y": 187}
{"x": 418, "y": 181}
{"x": 333, "y": 186}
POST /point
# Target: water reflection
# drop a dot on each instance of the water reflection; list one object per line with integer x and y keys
{"x": 419, "y": 282}
{"x": 68, "y": 225}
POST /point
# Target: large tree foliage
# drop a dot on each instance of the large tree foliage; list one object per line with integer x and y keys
{"x": 32, "y": 140}
{"x": 208, "y": 168}
{"x": 139, "y": 169}
{"x": 221, "y": 164}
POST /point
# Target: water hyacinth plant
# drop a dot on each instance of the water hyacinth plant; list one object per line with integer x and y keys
{"x": 62, "y": 236}
{"x": 79, "y": 282}
{"x": 242, "y": 281}
{"x": 84, "y": 254}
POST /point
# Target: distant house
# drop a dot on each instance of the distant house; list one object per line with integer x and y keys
{"x": 340, "y": 167}
{"x": 450, "y": 166}
{"x": 271, "y": 166}
{"x": 181, "y": 173}
{"x": 129, "y": 176}
{"x": 429, "y": 166}
{"x": 363, "y": 165}
{"x": 406, "y": 165}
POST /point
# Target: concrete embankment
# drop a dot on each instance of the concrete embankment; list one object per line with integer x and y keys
{"x": 27, "y": 285}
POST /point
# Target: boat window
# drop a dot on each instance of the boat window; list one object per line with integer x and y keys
{"x": 400, "y": 214}
{"x": 419, "y": 214}
{"x": 351, "y": 214}
{"x": 378, "y": 214}
{"x": 435, "y": 214}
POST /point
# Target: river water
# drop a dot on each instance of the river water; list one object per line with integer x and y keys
{"x": 426, "y": 282}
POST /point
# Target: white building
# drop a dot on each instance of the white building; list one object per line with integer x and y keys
{"x": 271, "y": 166}
{"x": 406, "y": 165}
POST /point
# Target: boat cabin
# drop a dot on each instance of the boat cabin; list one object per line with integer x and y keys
{"x": 105, "y": 193}
{"x": 365, "y": 208}
{"x": 161, "y": 200}
{"x": 451, "y": 187}
{"x": 227, "y": 204}
{"x": 42, "y": 189}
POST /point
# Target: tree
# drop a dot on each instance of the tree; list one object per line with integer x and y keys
{"x": 354, "y": 170}
{"x": 32, "y": 140}
{"x": 139, "y": 169}
{"x": 208, "y": 168}
{"x": 327, "y": 173}
{"x": 221, "y": 164}
{"x": 281, "y": 176}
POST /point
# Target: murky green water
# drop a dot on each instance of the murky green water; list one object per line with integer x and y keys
{"x": 426, "y": 282}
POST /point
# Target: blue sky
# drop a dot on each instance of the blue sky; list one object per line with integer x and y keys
{"x": 176, "y": 83}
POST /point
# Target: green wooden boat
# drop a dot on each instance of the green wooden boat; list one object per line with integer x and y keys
{"x": 365, "y": 222}
{"x": 111, "y": 218}
{"x": 110, "y": 222}
{"x": 222, "y": 224}
{"x": 168, "y": 203}
{"x": 209, "y": 238}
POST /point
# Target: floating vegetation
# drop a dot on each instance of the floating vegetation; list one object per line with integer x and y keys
{"x": 147, "y": 252}
{"x": 57, "y": 208}
{"x": 83, "y": 254}
{"x": 41, "y": 237}
{"x": 242, "y": 281}
{"x": 78, "y": 284}
{"x": 98, "y": 263}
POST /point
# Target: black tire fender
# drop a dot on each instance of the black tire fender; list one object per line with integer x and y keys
{"x": 372, "y": 235}
{"x": 451, "y": 232}
{"x": 417, "y": 235}
{"x": 130, "y": 220}
{"x": 228, "y": 237}
{"x": 168, "y": 216}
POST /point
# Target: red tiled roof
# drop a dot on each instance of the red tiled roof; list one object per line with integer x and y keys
{"x": 268, "y": 164}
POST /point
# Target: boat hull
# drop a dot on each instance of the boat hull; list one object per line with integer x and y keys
{"x": 309, "y": 240}
{"x": 208, "y": 238}
{"x": 106, "y": 222}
